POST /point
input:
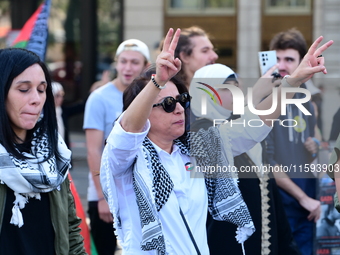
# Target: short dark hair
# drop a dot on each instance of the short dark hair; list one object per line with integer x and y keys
{"x": 14, "y": 61}
{"x": 290, "y": 39}
{"x": 140, "y": 82}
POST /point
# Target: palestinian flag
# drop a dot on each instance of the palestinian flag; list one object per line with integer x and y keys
{"x": 85, "y": 231}
{"x": 34, "y": 34}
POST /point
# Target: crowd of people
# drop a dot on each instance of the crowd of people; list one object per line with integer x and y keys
{"x": 147, "y": 132}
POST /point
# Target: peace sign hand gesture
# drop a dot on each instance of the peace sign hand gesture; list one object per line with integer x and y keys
{"x": 312, "y": 63}
{"x": 166, "y": 65}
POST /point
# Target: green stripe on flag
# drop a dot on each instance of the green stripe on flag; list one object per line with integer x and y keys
{"x": 21, "y": 44}
{"x": 93, "y": 247}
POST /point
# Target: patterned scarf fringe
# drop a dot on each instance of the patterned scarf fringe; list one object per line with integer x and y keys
{"x": 37, "y": 174}
{"x": 265, "y": 213}
{"x": 224, "y": 197}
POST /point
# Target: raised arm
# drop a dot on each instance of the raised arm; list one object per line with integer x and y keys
{"x": 167, "y": 66}
{"x": 312, "y": 63}
{"x": 264, "y": 86}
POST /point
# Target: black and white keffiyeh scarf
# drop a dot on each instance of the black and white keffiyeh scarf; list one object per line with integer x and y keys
{"x": 150, "y": 204}
{"x": 224, "y": 198}
{"x": 225, "y": 202}
{"x": 28, "y": 178}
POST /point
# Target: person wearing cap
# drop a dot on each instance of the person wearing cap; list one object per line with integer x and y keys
{"x": 103, "y": 106}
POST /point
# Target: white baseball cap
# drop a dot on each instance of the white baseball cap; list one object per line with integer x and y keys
{"x": 204, "y": 82}
{"x": 56, "y": 88}
{"x": 215, "y": 74}
{"x": 134, "y": 45}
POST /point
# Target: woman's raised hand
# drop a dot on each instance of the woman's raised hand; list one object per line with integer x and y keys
{"x": 166, "y": 65}
{"x": 312, "y": 63}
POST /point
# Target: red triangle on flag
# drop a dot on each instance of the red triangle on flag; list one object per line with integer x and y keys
{"x": 25, "y": 34}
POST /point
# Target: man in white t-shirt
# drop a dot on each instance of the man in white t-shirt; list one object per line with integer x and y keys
{"x": 103, "y": 106}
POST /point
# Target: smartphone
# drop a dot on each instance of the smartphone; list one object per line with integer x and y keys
{"x": 267, "y": 60}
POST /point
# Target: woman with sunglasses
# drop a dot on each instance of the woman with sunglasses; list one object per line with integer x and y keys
{"x": 146, "y": 167}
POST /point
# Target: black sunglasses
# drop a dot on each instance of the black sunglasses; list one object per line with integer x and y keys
{"x": 169, "y": 103}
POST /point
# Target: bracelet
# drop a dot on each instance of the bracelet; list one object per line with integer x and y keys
{"x": 318, "y": 145}
{"x": 101, "y": 199}
{"x": 316, "y": 141}
{"x": 284, "y": 82}
{"x": 156, "y": 84}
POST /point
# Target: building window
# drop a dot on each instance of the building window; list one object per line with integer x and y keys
{"x": 200, "y": 7}
{"x": 285, "y": 7}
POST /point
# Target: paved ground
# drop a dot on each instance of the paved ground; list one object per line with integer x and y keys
{"x": 80, "y": 168}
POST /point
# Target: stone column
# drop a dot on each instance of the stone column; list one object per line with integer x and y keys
{"x": 143, "y": 20}
{"x": 248, "y": 38}
{"x": 326, "y": 23}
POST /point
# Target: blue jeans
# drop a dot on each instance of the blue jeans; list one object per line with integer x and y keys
{"x": 303, "y": 232}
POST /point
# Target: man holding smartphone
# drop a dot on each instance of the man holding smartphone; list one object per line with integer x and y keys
{"x": 295, "y": 146}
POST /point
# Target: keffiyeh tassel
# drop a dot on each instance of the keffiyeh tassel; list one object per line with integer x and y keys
{"x": 242, "y": 234}
{"x": 19, "y": 203}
